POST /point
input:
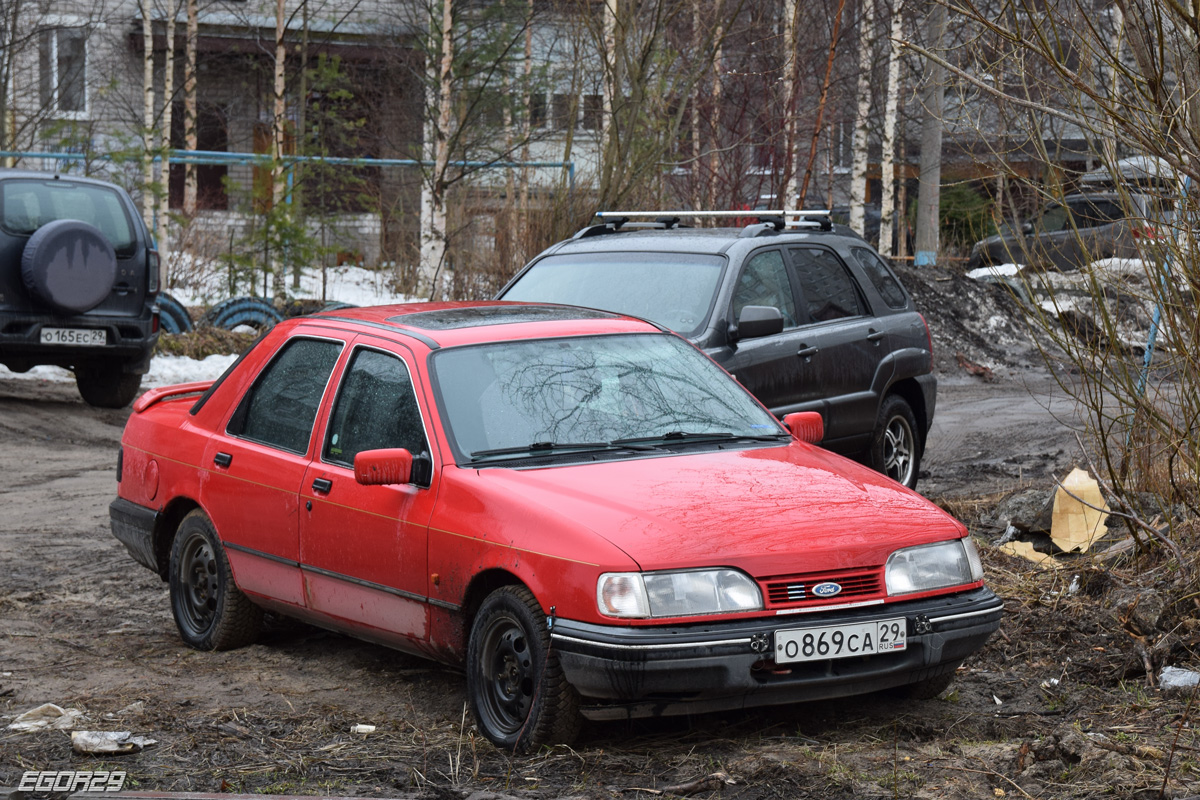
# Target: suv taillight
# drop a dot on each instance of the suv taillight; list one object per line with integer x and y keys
{"x": 1145, "y": 232}
{"x": 152, "y": 268}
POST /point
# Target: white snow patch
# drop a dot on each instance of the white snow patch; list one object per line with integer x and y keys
{"x": 164, "y": 371}
{"x": 354, "y": 285}
{"x": 1119, "y": 266}
{"x": 997, "y": 271}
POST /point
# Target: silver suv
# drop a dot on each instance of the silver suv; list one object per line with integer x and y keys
{"x": 807, "y": 318}
{"x": 78, "y": 283}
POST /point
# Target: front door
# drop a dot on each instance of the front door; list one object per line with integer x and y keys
{"x": 363, "y": 548}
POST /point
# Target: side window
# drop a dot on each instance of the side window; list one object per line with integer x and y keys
{"x": 281, "y": 406}
{"x": 829, "y": 291}
{"x": 375, "y": 408}
{"x": 764, "y": 282}
{"x": 880, "y": 276}
{"x": 1093, "y": 214}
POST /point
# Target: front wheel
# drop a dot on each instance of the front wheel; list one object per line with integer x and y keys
{"x": 210, "y": 610}
{"x": 515, "y": 685}
{"x": 895, "y": 445}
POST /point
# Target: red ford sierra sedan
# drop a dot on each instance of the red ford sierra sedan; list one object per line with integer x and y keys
{"x": 579, "y": 507}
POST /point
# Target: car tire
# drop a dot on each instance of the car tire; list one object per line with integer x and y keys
{"x": 107, "y": 385}
{"x": 515, "y": 685}
{"x": 210, "y": 611}
{"x": 69, "y": 265}
{"x": 895, "y": 443}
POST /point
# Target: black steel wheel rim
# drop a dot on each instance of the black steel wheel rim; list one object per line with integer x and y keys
{"x": 509, "y": 676}
{"x": 899, "y": 450}
{"x": 198, "y": 585}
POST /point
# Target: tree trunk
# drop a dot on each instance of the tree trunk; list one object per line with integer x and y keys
{"x": 164, "y": 170}
{"x": 862, "y": 120}
{"x": 887, "y": 221}
{"x": 278, "y": 187}
{"x": 929, "y": 197}
{"x": 609, "y": 145}
{"x": 147, "y": 114}
{"x": 437, "y": 150}
{"x": 190, "y": 140}
{"x": 812, "y": 150}
{"x": 790, "y": 183}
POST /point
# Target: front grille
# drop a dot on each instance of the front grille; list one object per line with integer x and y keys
{"x": 787, "y": 591}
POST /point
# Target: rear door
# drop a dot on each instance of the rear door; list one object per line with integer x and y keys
{"x": 256, "y": 464}
{"x": 845, "y": 343}
{"x": 364, "y": 547}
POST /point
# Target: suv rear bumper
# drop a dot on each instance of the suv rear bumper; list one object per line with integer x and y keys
{"x": 662, "y": 671}
{"x": 130, "y": 340}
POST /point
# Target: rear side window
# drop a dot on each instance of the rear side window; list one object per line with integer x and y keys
{"x": 880, "y": 276}
{"x": 1094, "y": 213}
{"x": 375, "y": 409}
{"x": 281, "y": 406}
{"x": 829, "y": 291}
{"x": 27, "y": 205}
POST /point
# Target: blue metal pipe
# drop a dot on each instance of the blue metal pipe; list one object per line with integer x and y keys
{"x": 223, "y": 157}
{"x": 1156, "y": 319}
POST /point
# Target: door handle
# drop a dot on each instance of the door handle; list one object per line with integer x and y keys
{"x": 874, "y": 335}
{"x": 807, "y": 352}
{"x": 222, "y": 459}
{"x": 322, "y": 485}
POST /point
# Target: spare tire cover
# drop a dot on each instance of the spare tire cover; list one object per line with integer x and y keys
{"x": 69, "y": 264}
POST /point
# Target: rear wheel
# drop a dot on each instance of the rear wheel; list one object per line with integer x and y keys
{"x": 210, "y": 611}
{"x": 896, "y": 445}
{"x": 107, "y": 385}
{"x": 517, "y": 692}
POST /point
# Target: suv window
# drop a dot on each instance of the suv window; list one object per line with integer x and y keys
{"x": 765, "y": 282}
{"x": 281, "y": 406}
{"x": 673, "y": 289}
{"x": 880, "y": 276}
{"x": 375, "y": 408}
{"x": 26, "y": 205}
{"x": 829, "y": 291}
{"x": 1094, "y": 213}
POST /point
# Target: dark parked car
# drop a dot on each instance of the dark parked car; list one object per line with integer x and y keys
{"x": 1081, "y": 229}
{"x": 78, "y": 282}
{"x": 807, "y": 319}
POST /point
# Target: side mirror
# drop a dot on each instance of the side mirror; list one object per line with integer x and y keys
{"x": 383, "y": 467}
{"x": 807, "y": 426}
{"x": 756, "y": 321}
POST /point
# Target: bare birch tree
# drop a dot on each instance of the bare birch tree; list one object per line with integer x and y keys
{"x": 887, "y": 162}
{"x": 862, "y": 117}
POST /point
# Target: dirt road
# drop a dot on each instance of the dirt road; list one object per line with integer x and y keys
{"x": 83, "y": 626}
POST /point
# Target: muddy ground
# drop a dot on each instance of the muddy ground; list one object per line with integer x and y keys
{"x": 1057, "y": 705}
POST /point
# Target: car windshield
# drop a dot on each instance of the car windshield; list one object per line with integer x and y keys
{"x": 673, "y": 289}
{"x": 590, "y": 392}
{"x": 27, "y": 205}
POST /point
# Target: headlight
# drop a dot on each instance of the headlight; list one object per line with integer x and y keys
{"x": 676, "y": 594}
{"x": 933, "y": 566}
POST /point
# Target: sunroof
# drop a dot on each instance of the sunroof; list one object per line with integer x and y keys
{"x": 478, "y": 316}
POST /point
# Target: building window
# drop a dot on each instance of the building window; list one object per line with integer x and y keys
{"x": 593, "y": 111}
{"x": 63, "y": 71}
{"x": 537, "y": 110}
{"x": 564, "y": 112}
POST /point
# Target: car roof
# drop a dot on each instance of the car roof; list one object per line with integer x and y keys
{"x": 714, "y": 241}
{"x": 40, "y": 175}
{"x": 450, "y": 324}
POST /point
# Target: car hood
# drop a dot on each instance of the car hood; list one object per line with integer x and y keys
{"x": 769, "y": 511}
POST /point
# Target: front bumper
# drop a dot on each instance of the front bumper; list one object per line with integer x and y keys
{"x": 660, "y": 671}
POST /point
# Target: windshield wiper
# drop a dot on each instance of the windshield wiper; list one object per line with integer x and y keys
{"x": 690, "y": 436}
{"x": 539, "y": 448}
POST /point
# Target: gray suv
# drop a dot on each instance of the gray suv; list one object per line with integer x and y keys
{"x": 808, "y": 319}
{"x": 78, "y": 283}
{"x": 1083, "y": 228}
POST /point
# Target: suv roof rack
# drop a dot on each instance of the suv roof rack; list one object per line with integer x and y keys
{"x": 770, "y": 220}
